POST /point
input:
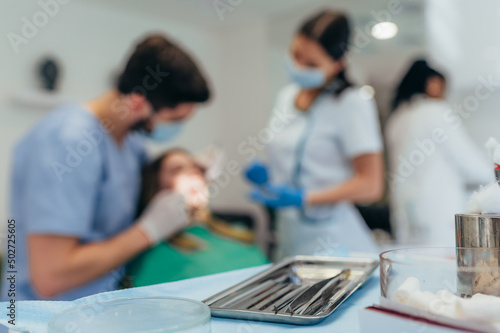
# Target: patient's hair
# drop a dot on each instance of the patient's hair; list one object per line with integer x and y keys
{"x": 164, "y": 73}
{"x": 150, "y": 184}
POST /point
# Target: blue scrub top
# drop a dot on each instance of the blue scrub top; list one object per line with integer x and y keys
{"x": 70, "y": 178}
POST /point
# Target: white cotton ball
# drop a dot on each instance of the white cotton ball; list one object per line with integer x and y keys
{"x": 486, "y": 200}
{"x": 494, "y": 149}
{"x": 486, "y": 298}
{"x": 490, "y": 200}
{"x": 496, "y": 157}
{"x": 473, "y": 206}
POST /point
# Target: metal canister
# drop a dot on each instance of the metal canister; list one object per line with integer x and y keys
{"x": 478, "y": 248}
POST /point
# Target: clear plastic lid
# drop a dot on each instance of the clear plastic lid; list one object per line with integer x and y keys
{"x": 127, "y": 315}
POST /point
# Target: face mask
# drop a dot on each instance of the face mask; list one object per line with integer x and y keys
{"x": 165, "y": 131}
{"x": 306, "y": 78}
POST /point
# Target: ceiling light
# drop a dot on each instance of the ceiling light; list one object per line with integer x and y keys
{"x": 384, "y": 30}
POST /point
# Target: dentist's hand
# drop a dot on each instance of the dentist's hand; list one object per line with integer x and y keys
{"x": 277, "y": 196}
{"x": 256, "y": 172}
{"x": 165, "y": 215}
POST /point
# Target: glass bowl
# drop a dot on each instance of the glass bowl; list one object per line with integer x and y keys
{"x": 455, "y": 287}
{"x": 460, "y": 271}
{"x": 130, "y": 315}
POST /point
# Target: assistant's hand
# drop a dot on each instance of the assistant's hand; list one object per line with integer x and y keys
{"x": 279, "y": 196}
{"x": 256, "y": 172}
{"x": 165, "y": 215}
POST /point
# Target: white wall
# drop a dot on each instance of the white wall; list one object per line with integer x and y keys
{"x": 245, "y": 99}
{"x": 463, "y": 40}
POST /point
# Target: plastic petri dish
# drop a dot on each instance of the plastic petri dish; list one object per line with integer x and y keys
{"x": 130, "y": 315}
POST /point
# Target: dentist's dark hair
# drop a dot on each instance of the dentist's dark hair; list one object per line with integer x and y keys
{"x": 331, "y": 29}
{"x": 164, "y": 73}
{"x": 414, "y": 82}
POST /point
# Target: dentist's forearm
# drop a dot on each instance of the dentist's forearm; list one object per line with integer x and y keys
{"x": 90, "y": 261}
{"x": 59, "y": 263}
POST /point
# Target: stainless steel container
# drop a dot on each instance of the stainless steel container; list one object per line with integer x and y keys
{"x": 478, "y": 271}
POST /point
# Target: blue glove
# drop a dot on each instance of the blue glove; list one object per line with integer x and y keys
{"x": 277, "y": 196}
{"x": 257, "y": 173}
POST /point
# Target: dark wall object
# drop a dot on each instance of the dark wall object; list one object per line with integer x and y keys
{"x": 48, "y": 72}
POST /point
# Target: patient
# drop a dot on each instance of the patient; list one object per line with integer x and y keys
{"x": 208, "y": 245}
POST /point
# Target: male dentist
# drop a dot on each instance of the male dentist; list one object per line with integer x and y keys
{"x": 76, "y": 177}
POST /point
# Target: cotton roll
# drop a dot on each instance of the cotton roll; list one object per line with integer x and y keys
{"x": 481, "y": 309}
{"x": 448, "y": 305}
{"x": 423, "y": 300}
{"x": 496, "y": 326}
{"x": 408, "y": 287}
{"x": 447, "y": 297}
{"x": 487, "y": 298}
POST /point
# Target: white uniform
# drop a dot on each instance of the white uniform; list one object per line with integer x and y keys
{"x": 313, "y": 150}
{"x": 431, "y": 160}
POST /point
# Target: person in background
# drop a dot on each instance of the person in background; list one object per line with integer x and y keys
{"x": 431, "y": 160}
{"x": 77, "y": 173}
{"x": 207, "y": 246}
{"x": 328, "y": 156}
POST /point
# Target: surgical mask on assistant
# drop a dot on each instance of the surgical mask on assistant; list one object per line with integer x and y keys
{"x": 165, "y": 131}
{"x": 306, "y": 78}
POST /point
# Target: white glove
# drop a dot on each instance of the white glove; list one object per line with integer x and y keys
{"x": 165, "y": 215}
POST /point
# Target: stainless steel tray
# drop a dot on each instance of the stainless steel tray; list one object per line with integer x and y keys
{"x": 256, "y": 298}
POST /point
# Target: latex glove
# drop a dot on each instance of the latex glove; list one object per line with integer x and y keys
{"x": 279, "y": 196}
{"x": 257, "y": 173}
{"x": 165, "y": 215}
